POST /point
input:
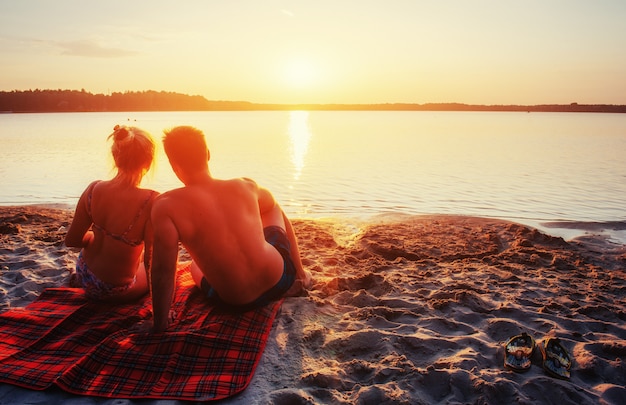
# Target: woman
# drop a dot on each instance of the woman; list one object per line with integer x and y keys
{"x": 111, "y": 224}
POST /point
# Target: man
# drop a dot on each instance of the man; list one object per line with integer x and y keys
{"x": 243, "y": 248}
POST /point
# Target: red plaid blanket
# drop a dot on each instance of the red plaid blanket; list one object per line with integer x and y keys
{"x": 87, "y": 348}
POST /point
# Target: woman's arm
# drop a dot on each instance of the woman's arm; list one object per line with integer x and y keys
{"x": 79, "y": 234}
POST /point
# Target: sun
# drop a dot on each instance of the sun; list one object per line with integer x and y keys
{"x": 300, "y": 73}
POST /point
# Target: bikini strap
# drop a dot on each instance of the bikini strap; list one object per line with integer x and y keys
{"x": 121, "y": 237}
{"x": 138, "y": 215}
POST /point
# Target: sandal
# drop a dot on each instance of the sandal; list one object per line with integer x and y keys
{"x": 517, "y": 352}
{"x": 556, "y": 361}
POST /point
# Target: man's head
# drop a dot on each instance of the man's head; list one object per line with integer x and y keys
{"x": 186, "y": 149}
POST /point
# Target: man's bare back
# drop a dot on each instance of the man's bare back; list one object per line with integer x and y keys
{"x": 224, "y": 236}
{"x": 221, "y": 224}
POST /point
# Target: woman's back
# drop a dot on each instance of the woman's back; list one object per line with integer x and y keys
{"x": 119, "y": 214}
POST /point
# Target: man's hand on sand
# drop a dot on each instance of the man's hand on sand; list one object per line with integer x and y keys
{"x": 147, "y": 325}
{"x": 300, "y": 286}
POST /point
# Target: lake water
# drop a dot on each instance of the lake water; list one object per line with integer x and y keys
{"x": 526, "y": 167}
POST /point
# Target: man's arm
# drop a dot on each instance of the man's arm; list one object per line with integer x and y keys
{"x": 164, "y": 260}
{"x": 148, "y": 243}
{"x": 303, "y": 277}
{"x": 272, "y": 214}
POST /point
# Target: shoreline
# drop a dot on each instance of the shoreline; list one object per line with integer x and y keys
{"x": 613, "y": 231}
{"x": 403, "y": 309}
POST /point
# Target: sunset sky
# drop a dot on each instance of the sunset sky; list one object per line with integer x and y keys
{"x": 339, "y": 51}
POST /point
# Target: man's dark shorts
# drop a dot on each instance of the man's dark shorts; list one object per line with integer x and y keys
{"x": 277, "y": 237}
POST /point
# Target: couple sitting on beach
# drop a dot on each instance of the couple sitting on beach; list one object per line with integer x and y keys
{"x": 243, "y": 248}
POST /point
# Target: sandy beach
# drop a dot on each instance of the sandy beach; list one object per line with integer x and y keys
{"x": 403, "y": 310}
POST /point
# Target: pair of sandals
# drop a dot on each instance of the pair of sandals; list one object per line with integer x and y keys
{"x": 519, "y": 349}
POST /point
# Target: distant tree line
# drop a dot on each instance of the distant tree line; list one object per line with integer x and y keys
{"x": 82, "y": 101}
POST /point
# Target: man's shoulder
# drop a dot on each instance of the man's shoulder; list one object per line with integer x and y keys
{"x": 245, "y": 181}
{"x": 170, "y": 197}
{"x": 171, "y": 193}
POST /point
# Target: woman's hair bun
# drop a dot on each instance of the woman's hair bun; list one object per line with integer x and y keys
{"x": 120, "y": 133}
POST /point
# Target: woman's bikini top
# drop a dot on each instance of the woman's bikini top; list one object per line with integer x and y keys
{"x": 120, "y": 237}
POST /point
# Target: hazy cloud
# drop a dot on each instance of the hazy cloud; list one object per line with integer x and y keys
{"x": 91, "y": 49}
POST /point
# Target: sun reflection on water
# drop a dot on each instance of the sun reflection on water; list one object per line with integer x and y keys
{"x": 299, "y": 136}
